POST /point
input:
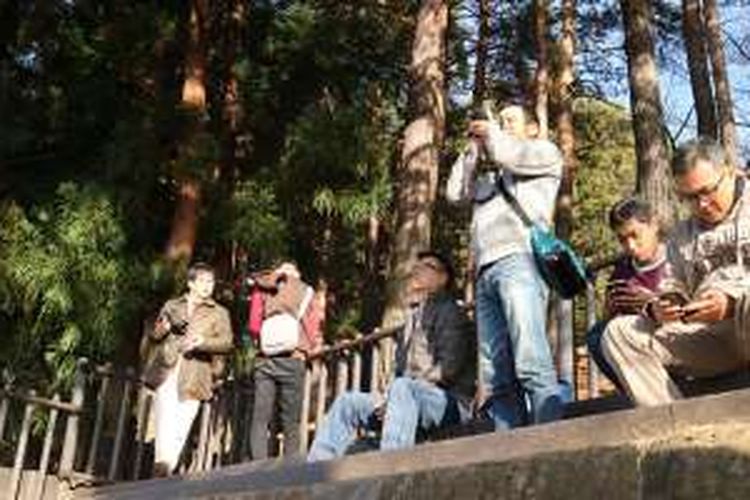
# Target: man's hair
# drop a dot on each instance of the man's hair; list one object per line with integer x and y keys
{"x": 628, "y": 209}
{"x": 199, "y": 267}
{"x": 445, "y": 263}
{"x": 687, "y": 155}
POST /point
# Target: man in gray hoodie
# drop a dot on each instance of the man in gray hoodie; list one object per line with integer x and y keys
{"x": 515, "y": 360}
{"x": 706, "y": 256}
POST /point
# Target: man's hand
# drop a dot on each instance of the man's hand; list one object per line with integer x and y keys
{"x": 664, "y": 311}
{"x": 479, "y": 129}
{"x": 190, "y": 342}
{"x": 163, "y": 324}
{"x": 710, "y": 307}
{"x": 480, "y": 398}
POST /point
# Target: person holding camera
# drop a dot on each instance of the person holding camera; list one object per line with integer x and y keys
{"x": 286, "y": 338}
{"x": 515, "y": 359}
{"x": 707, "y": 255}
{"x": 192, "y": 333}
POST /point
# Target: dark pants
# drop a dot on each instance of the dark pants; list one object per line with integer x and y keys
{"x": 283, "y": 377}
{"x": 594, "y": 343}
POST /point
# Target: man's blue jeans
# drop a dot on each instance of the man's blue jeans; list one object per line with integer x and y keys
{"x": 514, "y": 353}
{"x": 410, "y": 405}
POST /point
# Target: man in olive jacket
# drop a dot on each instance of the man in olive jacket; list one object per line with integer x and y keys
{"x": 193, "y": 332}
{"x": 435, "y": 372}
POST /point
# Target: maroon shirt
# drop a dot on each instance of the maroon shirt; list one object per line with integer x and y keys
{"x": 648, "y": 277}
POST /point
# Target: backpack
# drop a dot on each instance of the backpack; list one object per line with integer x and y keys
{"x": 255, "y": 309}
{"x": 280, "y": 333}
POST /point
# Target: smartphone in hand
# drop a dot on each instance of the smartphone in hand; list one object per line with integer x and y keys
{"x": 675, "y": 297}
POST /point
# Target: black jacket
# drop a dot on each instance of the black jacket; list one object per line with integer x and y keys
{"x": 441, "y": 347}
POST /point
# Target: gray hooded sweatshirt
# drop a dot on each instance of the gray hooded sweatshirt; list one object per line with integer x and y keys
{"x": 531, "y": 170}
{"x": 705, "y": 257}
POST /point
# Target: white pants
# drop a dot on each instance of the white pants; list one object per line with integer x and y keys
{"x": 173, "y": 420}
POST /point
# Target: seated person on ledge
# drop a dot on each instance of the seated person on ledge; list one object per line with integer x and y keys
{"x": 435, "y": 367}
{"x": 637, "y": 273}
{"x": 707, "y": 255}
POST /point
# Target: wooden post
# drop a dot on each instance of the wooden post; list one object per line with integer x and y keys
{"x": 122, "y": 414}
{"x": 142, "y": 416}
{"x": 98, "y": 421}
{"x": 356, "y": 370}
{"x": 70, "y": 442}
{"x": 23, "y": 439}
{"x": 320, "y": 409}
{"x": 203, "y": 437}
{"x": 342, "y": 374}
{"x": 374, "y": 367}
{"x": 4, "y": 401}
{"x": 590, "y": 322}
{"x": 47, "y": 448}
{"x": 304, "y": 428}
{"x": 565, "y": 347}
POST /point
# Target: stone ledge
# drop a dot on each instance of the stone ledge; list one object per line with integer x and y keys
{"x": 600, "y": 449}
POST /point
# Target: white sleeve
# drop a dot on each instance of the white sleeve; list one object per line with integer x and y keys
{"x": 524, "y": 157}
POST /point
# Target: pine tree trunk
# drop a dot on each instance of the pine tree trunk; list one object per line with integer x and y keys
{"x": 728, "y": 131}
{"x": 541, "y": 78}
{"x": 693, "y": 32}
{"x": 229, "y": 30}
{"x": 417, "y": 174}
{"x": 653, "y": 174}
{"x": 565, "y": 127}
{"x": 482, "y": 52}
{"x": 184, "y": 228}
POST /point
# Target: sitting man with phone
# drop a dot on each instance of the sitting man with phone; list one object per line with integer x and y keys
{"x": 706, "y": 255}
{"x": 637, "y": 274}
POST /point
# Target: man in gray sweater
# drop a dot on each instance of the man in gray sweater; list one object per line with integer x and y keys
{"x": 707, "y": 255}
{"x": 515, "y": 360}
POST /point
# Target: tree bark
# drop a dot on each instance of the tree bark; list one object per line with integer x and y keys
{"x": 482, "y": 52}
{"x": 416, "y": 178}
{"x": 693, "y": 32}
{"x": 653, "y": 174}
{"x": 728, "y": 131}
{"x": 184, "y": 229}
{"x": 541, "y": 78}
{"x": 229, "y": 29}
{"x": 565, "y": 126}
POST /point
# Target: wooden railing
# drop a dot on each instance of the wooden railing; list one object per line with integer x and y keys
{"x": 106, "y": 415}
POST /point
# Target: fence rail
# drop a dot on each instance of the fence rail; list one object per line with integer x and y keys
{"x": 100, "y": 431}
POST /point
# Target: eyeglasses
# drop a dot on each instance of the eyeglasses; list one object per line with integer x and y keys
{"x": 703, "y": 193}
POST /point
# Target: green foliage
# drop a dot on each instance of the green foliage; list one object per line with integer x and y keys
{"x": 67, "y": 287}
{"x": 251, "y": 218}
{"x": 606, "y": 172}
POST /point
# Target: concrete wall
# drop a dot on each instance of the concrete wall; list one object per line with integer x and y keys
{"x": 698, "y": 448}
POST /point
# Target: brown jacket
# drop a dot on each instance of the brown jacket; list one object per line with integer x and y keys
{"x": 200, "y": 367}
